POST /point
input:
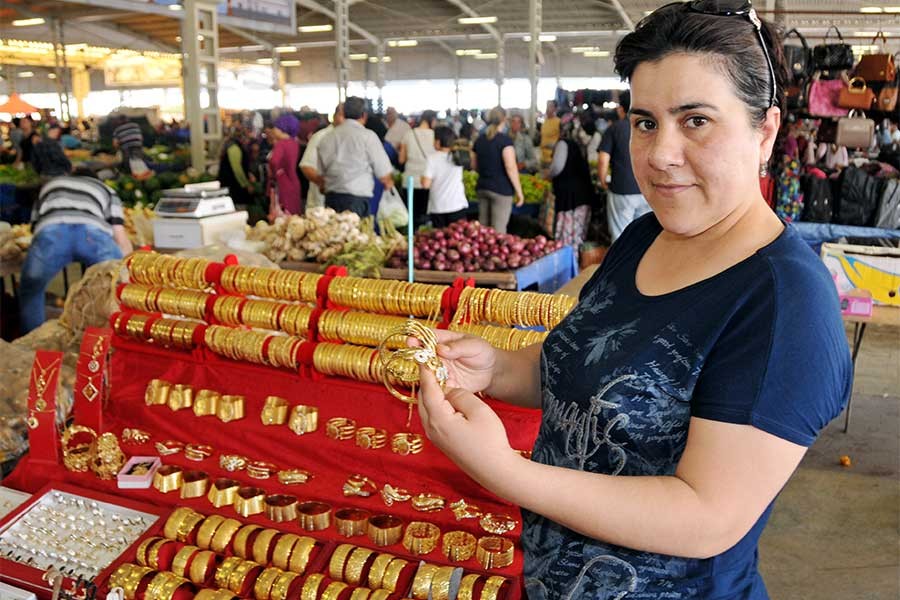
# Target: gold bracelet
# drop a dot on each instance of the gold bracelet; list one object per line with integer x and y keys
{"x": 224, "y": 534}
{"x": 440, "y": 583}
{"x": 241, "y": 545}
{"x": 497, "y": 524}
{"x": 392, "y": 574}
{"x": 173, "y": 523}
{"x": 385, "y": 530}
{"x": 356, "y": 562}
{"x": 458, "y": 546}
{"x": 426, "y": 502}
{"x": 491, "y": 589}
{"x": 201, "y": 566}
{"x": 361, "y": 594}
{"x": 282, "y": 552}
{"x": 274, "y": 411}
{"x": 197, "y": 452}
{"x": 231, "y": 408}
{"x": 206, "y": 403}
{"x": 242, "y": 575}
{"x": 370, "y": 438}
{"x": 304, "y": 419}
{"x": 180, "y": 562}
{"x": 494, "y": 552}
{"x": 421, "y": 584}
{"x": 311, "y": 587}
{"x": 405, "y": 444}
{"x": 293, "y": 476}
{"x": 301, "y": 554}
{"x": 282, "y": 586}
{"x": 222, "y": 492}
{"x": 262, "y": 545}
{"x": 223, "y": 573}
{"x": 359, "y": 485}
{"x": 249, "y": 501}
{"x": 262, "y": 589}
{"x": 334, "y": 590}
{"x": 281, "y": 507}
{"x": 467, "y": 587}
{"x": 376, "y": 571}
{"x": 208, "y": 529}
{"x": 351, "y": 522}
{"x": 338, "y": 560}
{"x": 167, "y": 478}
{"x": 314, "y": 516}
{"x": 340, "y": 428}
{"x": 421, "y": 537}
{"x": 194, "y": 484}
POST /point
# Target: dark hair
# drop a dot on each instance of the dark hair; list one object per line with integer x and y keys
{"x": 354, "y": 108}
{"x": 446, "y": 138}
{"x": 625, "y": 100}
{"x": 427, "y": 116}
{"x": 378, "y": 126}
{"x": 84, "y": 172}
{"x": 732, "y": 41}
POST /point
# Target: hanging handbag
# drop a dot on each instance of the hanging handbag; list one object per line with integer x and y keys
{"x": 887, "y": 98}
{"x": 817, "y": 202}
{"x": 823, "y": 98}
{"x": 833, "y": 57}
{"x": 877, "y": 67}
{"x": 860, "y": 194}
{"x": 855, "y": 132}
{"x": 796, "y": 96}
{"x": 798, "y": 58}
{"x": 856, "y": 95}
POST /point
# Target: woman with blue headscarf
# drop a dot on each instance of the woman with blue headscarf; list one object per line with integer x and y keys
{"x": 283, "y": 168}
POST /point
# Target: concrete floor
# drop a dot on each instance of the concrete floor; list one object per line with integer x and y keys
{"x": 835, "y": 531}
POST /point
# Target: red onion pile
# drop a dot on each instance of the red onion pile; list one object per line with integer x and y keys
{"x": 467, "y": 247}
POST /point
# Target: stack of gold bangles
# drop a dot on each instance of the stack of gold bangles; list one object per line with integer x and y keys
{"x": 504, "y": 338}
{"x": 172, "y": 333}
{"x": 270, "y": 283}
{"x": 512, "y": 308}
{"x": 150, "y": 268}
{"x": 402, "y": 364}
{"x": 250, "y": 346}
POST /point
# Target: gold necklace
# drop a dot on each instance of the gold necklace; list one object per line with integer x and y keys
{"x": 41, "y": 381}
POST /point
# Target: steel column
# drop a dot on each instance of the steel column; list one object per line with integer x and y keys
{"x": 535, "y": 58}
{"x": 342, "y": 50}
{"x": 200, "y": 47}
{"x": 501, "y": 70}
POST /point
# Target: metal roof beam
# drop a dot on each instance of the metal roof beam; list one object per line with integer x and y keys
{"x": 247, "y": 35}
{"x": 470, "y": 12}
{"x": 315, "y": 6}
{"x": 626, "y": 20}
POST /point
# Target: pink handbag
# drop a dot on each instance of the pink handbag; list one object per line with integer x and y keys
{"x": 824, "y": 97}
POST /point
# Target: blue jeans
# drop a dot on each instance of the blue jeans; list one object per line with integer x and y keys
{"x": 341, "y": 202}
{"x": 52, "y": 249}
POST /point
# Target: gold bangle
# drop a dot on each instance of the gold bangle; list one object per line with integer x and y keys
{"x": 334, "y": 590}
{"x": 182, "y": 557}
{"x": 385, "y": 530}
{"x": 141, "y": 554}
{"x": 215, "y": 595}
{"x": 282, "y": 552}
{"x": 440, "y": 583}
{"x": 187, "y": 527}
{"x": 491, "y": 589}
{"x": 133, "y": 582}
{"x": 223, "y": 573}
{"x": 167, "y": 478}
{"x": 338, "y": 560}
{"x": 300, "y": 555}
{"x": 201, "y": 565}
{"x": 262, "y": 545}
{"x": 380, "y": 595}
{"x": 262, "y": 589}
{"x": 340, "y": 428}
{"x": 293, "y": 476}
{"x": 426, "y": 502}
{"x": 249, "y": 501}
{"x": 494, "y": 552}
{"x": 314, "y": 516}
{"x": 356, "y": 563}
{"x": 370, "y": 438}
{"x": 168, "y": 447}
{"x": 311, "y": 587}
{"x": 157, "y": 392}
{"x": 282, "y": 586}
{"x": 221, "y": 541}
{"x": 173, "y": 523}
{"x": 232, "y": 462}
{"x": 242, "y": 575}
{"x": 194, "y": 484}
{"x": 259, "y": 469}
{"x": 223, "y": 491}
{"x": 208, "y": 530}
{"x": 405, "y": 444}
{"x": 351, "y": 522}
{"x": 497, "y": 524}
{"x": 281, "y": 507}
{"x": 242, "y": 539}
{"x": 180, "y": 396}
{"x": 421, "y": 537}
{"x": 197, "y": 452}
{"x": 392, "y": 574}
{"x": 376, "y": 571}
{"x": 467, "y": 587}
{"x": 231, "y": 408}
{"x": 421, "y": 584}
{"x": 361, "y": 594}
{"x": 274, "y": 411}
{"x": 304, "y": 419}
{"x": 359, "y": 485}
{"x": 458, "y": 546}
{"x": 153, "y": 554}
{"x": 206, "y": 403}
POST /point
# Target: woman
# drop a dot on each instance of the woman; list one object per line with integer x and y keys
{"x": 415, "y": 148}
{"x": 283, "y": 167}
{"x": 443, "y": 178}
{"x": 674, "y": 405}
{"x": 498, "y": 175}
{"x": 573, "y": 190}
{"x": 234, "y": 167}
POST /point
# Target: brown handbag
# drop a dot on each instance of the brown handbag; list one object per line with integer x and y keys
{"x": 856, "y": 95}
{"x": 887, "y": 98}
{"x": 876, "y": 67}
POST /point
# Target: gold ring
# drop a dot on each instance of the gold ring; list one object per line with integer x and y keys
{"x": 359, "y": 485}
{"x": 304, "y": 419}
{"x": 497, "y": 524}
{"x": 421, "y": 537}
{"x": 407, "y": 443}
{"x": 458, "y": 546}
{"x": 351, "y": 522}
{"x": 293, "y": 476}
{"x": 194, "y": 484}
{"x": 274, "y": 411}
{"x": 426, "y": 502}
{"x": 249, "y": 501}
{"x": 494, "y": 552}
{"x": 385, "y": 530}
{"x": 314, "y": 516}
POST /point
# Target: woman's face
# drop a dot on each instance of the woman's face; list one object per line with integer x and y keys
{"x": 695, "y": 154}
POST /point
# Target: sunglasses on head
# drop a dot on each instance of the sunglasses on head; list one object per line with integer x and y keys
{"x": 735, "y": 8}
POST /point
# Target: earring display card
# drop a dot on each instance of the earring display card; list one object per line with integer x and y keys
{"x": 76, "y": 535}
{"x": 10, "y": 500}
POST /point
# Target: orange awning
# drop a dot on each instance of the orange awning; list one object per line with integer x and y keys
{"x": 15, "y": 105}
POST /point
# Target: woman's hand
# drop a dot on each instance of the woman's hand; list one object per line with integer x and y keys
{"x": 469, "y": 360}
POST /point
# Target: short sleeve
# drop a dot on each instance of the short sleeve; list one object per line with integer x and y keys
{"x": 429, "y": 166}
{"x": 606, "y": 142}
{"x": 505, "y": 141}
{"x": 782, "y": 363}
{"x": 381, "y": 164}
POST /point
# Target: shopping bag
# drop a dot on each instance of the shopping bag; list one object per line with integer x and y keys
{"x": 392, "y": 209}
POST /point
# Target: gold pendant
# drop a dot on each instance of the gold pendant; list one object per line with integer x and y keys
{"x": 90, "y": 391}
{"x": 32, "y": 422}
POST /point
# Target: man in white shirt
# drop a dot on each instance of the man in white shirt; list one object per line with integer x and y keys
{"x": 309, "y": 164}
{"x": 347, "y": 159}
{"x": 443, "y": 178}
{"x": 397, "y": 128}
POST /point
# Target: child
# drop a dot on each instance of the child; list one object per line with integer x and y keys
{"x": 443, "y": 178}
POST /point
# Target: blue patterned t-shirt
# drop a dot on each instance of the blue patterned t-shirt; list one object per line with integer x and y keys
{"x": 761, "y": 343}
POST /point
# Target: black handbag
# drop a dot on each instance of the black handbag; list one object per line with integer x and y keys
{"x": 798, "y": 58}
{"x": 817, "y": 200}
{"x": 833, "y": 57}
{"x": 860, "y": 195}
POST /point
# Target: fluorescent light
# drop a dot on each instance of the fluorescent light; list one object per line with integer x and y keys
{"x": 51, "y": 75}
{"x": 402, "y": 43}
{"x": 580, "y": 49}
{"x": 647, "y": 13}
{"x": 291, "y": 63}
{"x": 374, "y": 59}
{"x": 264, "y": 61}
{"x": 486, "y": 55}
{"x": 892, "y": 9}
{"x": 872, "y": 10}
{"x": 596, "y": 54}
{"x": 28, "y": 22}
{"x": 177, "y": 38}
{"x": 476, "y": 20}
{"x": 361, "y": 56}
{"x": 865, "y": 33}
{"x": 285, "y": 49}
{"x": 468, "y": 52}
{"x": 200, "y": 38}
{"x": 544, "y": 37}
{"x": 26, "y": 74}
{"x": 315, "y": 28}
{"x": 175, "y": 7}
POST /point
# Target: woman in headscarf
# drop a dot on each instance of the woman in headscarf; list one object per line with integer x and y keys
{"x": 285, "y": 196}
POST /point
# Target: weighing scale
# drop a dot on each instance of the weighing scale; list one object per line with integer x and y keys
{"x": 194, "y": 216}
{"x": 194, "y": 202}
